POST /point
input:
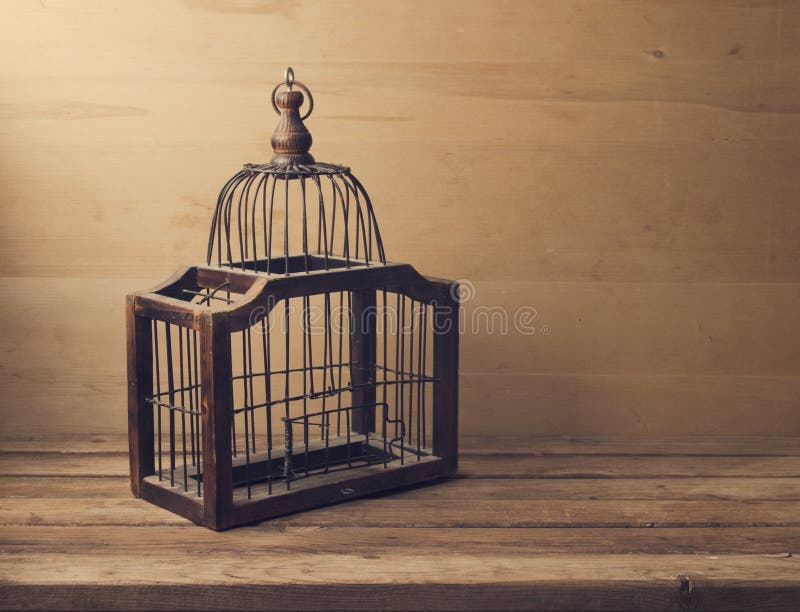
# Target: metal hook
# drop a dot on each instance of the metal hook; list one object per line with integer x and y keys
{"x": 288, "y": 80}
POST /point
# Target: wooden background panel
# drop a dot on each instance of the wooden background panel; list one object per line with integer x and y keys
{"x": 624, "y": 168}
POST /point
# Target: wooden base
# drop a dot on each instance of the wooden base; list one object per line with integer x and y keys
{"x": 349, "y": 476}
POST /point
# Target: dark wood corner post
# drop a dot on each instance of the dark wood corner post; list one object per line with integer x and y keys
{"x": 140, "y": 387}
{"x": 363, "y": 344}
{"x": 445, "y": 371}
{"x": 217, "y": 411}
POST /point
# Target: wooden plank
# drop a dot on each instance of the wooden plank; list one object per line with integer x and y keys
{"x": 267, "y": 537}
{"x": 639, "y": 405}
{"x": 606, "y": 30}
{"x": 689, "y": 445}
{"x": 399, "y": 512}
{"x": 784, "y": 243}
{"x": 472, "y": 466}
{"x": 696, "y": 489}
{"x": 629, "y": 329}
{"x": 398, "y": 581}
{"x": 722, "y": 238}
{"x": 627, "y": 467}
{"x": 688, "y": 108}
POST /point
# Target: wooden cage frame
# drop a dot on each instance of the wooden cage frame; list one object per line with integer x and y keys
{"x": 217, "y": 508}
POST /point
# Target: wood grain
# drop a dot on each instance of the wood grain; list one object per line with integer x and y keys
{"x": 717, "y": 542}
{"x": 510, "y": 465}
{"x": 186, "y": 539}
{"x": 694, "y": 445}
{"x": 625, "y": 168}
{"x": 432, "y": 514}
{"x": 478, "y": 582}
{"x": 706, "y": 488}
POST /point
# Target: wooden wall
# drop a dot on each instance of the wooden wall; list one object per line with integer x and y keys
{"x": 629, "y": 168}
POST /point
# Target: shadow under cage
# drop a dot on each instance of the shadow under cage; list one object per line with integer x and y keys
{"x": 277, "y": 376}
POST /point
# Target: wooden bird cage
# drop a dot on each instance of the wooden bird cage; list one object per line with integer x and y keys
{"x": 290, "y": 371}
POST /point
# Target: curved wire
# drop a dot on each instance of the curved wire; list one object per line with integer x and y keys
{"x": 236, "y": 223}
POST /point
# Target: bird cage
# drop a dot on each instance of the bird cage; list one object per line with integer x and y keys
{"x": 297, "y": 367}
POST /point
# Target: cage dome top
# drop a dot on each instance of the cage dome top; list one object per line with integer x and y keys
{"x": 293, "y": 214}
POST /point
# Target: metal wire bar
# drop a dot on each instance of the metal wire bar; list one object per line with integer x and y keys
{"x": 210, "y": 295}
{"x": 157, "y": 350}
{"x": 291, "y": 370}
{"x": 322, "y": 225}
{"x": 241, "y": 226}
{"x": 348, "y": 388}
{"x": 384, "y": 310}
{"x": 267, "y": 350}
{"x": 250, "y": 184}
{"x": 245, "y": 390}
{"x": 179, "y": 409}
{"x": 197, "y": 405}
{"x": 191, "y": 393}
{"x": 306, "y": 358}
{"x": 341, "y": 349}
{"x": 262, "y": 188}
{"x": 286, "y": 225}
{"x": 191, "y": 387}
{"x": 206, "y": 296}
{"x": 286, "y": 377}
{"x": 326, "y": 348}
{"x": 233, "y": 418}
{"x": 420, "y": 373}
{"x": 216, "y": 220}
{"x": 252, "y": 391}
{"x": 410, "y": 369}
{"x": 171, "y": 388}
{"x": 359, "y": 220}
{"x": 271, "y": 209}
{"x": 398, "y": 360}
{"x": 183, "y": 415}
{"x": 398, "y": 438}
{"x": 371, "y": 212}
{"x": 305, "y": 224}
{"x": 424, "y": 370}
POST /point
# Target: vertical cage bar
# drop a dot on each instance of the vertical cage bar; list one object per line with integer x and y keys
{"x": 267, "y": 350}
{"x": 190, "y": 389}
{"x": 424, "y": 372}
{"x": 410, "y": 421}
{"x": 246, "y": 374}
{"x": 420, "y": 378}
{"x": 171, "y": 396}
{"x": 157, "y": 395}
{"x": 183, "y": 410}
{"x": 340, "y": 333}
{"x": 140, "y": 387}
{"x": 198, "y": 423}
{"x": 217, "y": 403}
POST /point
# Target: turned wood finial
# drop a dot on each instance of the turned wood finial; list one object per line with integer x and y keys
{"x": 291, "y": 140}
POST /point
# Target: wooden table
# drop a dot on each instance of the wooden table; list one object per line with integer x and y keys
{"x": 546, "y": 523}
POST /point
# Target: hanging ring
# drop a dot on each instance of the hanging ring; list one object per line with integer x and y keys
{"x": 289, "y": 82}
